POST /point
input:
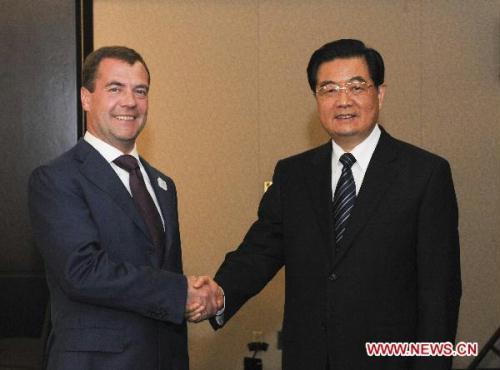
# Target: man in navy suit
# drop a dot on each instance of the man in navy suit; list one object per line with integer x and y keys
{"x": 365, "y": 226}
{"x": 109, "y": 236}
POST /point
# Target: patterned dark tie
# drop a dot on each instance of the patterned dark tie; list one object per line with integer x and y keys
{"x": 142, "y": 199}
{"x": 344, "y": 198}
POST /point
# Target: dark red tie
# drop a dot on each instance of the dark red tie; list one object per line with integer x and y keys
{"x": 142, "y": 199}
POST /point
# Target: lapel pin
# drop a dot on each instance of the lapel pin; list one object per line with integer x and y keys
{"x": 162, "y": 184}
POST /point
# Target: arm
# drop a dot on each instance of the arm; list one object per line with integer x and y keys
{"x": 70, "y": 243}
{"x": 438, "y": 266}
{"x": 247, "y": 270}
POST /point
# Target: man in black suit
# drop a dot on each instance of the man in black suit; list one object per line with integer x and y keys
{"x": 105, "y": 222}
{"x": 365, "y": 226}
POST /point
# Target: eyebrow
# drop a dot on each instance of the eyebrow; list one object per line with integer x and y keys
{"x": 114, "y": 83}
{"x": 355, "y": 78}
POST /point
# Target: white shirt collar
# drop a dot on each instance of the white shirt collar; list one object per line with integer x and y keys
{"x": 363, "y": 151}
{"x": 109, "y": 152}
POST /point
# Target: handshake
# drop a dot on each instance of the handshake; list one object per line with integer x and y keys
{"x": 204, "y": 298}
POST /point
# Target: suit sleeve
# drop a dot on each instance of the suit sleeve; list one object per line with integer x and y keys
{"x": 68, "y": 239}
{"x": 247, "y": 270}
{"x": 438, "y": 266}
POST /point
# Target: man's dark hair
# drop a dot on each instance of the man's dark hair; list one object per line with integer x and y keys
{"x": 91, "y": 63}
{"x": 346, "y": 48}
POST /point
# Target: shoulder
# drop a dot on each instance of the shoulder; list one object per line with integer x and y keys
{"x": 414, "y": 164}
{"x": 308, "y": 157}
{"x": 411, "y": 154}
{"x": 61, "y": 175}
{"x": 65, "y": 164}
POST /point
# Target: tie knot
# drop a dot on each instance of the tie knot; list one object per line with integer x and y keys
{"x": 347, "y": 159}
{"x": 127, "y": 162}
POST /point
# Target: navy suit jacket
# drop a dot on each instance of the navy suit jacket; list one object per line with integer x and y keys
{"x": 396, "y": 277}
{"x": 117, "y": 302}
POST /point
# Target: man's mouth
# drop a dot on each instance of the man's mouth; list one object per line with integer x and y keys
{"x": 345, "y": 116}
{"x": 124, "y": 117}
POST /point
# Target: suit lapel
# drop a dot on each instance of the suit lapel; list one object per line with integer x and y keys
{"x": 319, "y": 183}
{"x": 98, "y": 171}
{"x": 381, "y": 172}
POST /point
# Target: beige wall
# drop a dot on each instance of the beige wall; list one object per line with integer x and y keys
{"x": 230, "y": 97}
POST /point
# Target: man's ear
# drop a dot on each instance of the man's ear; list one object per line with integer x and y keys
{"x": 86, "y": 98}
{"x": 381, "y": 94}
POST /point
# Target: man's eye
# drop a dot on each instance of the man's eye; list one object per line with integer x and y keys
{"x": 142, "y": 92}
{"x": 330, "y": 89}
{"x": 113, "y": 89}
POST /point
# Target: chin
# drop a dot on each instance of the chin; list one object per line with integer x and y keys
{"x": 343, "y": 131}
{"x": 129, "y": 132}
{"x": 347, "y": 133}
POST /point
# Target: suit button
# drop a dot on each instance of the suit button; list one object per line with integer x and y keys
{"x": 332, "y": 277}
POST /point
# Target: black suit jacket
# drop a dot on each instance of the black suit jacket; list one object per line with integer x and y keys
{"x": 117, "y": 302}
{"x": 395, "y": 279}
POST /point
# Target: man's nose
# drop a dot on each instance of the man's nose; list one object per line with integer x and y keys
{"x": 128, "y": 99}
{"x": 344, "y": 97}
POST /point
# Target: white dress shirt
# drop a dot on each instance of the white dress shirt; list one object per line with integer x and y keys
{"x": 110, "y": 153}
{"x": 363, "y": 153}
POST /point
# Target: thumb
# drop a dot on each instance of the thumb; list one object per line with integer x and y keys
{"x": 200, "y": 281}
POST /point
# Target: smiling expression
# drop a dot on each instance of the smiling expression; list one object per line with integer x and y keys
{"x": 117, "y": 108}
{"x": 347, "y": 118}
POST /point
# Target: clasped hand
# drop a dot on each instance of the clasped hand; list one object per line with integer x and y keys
{"x": 204, "y": 298}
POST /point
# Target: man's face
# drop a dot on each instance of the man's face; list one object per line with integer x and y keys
{"x": 347, "y": 117}
{"x": 118, "y": 107}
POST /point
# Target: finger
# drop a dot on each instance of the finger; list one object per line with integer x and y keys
{"x": 194, "y": 307}
{"x": 220, "y": 302}
{"x": 193, "y": 313}
{"x": 199, "y": 310}
{"x": 200, "y": 316}
{"x": 200, "y": 281}
{"x": 195, "y": 318}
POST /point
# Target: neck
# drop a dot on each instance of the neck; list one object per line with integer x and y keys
{"x": 124, "y": 146}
